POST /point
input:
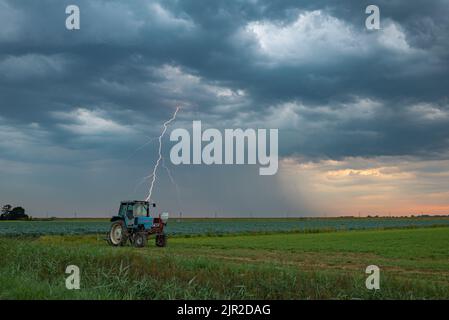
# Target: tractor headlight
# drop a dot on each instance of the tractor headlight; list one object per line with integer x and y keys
{"x": 164, "y": 217}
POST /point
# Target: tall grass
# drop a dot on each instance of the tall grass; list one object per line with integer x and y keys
{"x": 34, "y": 269}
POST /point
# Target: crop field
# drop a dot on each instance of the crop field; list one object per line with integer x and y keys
{"x": 413, "y": 262}
{"x": 190, "y": 227}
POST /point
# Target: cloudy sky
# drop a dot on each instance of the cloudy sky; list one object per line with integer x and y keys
{"x": 363, "y": 116}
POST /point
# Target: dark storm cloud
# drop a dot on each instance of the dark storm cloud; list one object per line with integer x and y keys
{"x": 309, "y": 68}
{"x": 110, "y": 62}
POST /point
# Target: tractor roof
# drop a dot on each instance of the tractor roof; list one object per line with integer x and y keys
{"x": 134, "y": 201}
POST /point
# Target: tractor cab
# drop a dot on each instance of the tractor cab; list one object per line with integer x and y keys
{"x": 136, "y": 213}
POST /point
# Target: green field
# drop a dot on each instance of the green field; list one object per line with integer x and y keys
{"x": 193, "y": 227}
{"x": 414, "y": 264}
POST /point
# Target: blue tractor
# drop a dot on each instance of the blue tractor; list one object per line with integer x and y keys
{"x": 135, "y": 223}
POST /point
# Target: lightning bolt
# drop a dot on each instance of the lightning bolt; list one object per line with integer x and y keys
{"x": 153, "y": 175}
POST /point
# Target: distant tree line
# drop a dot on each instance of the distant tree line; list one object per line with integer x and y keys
{"x": 10, "y": 213}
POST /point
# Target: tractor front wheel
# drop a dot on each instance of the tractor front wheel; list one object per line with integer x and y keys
{"x": 118, "y": 234}
{"x": 161, "y": 240}
{"x": 140, "y": 239}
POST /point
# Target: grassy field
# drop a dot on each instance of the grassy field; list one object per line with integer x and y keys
{"x": 414, "y": 264}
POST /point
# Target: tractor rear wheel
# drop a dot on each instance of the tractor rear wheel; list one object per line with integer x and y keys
{"x": 140, "y": 239}
{"x": 161, "y": 240}
{"x": 118, "y": 234}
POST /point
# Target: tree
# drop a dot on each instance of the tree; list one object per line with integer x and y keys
{"x": 6, "y": 209}
{"x": 18, "y": 213}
